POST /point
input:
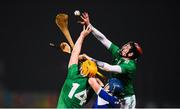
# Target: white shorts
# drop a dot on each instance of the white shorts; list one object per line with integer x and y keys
{"x": 130, "y": 102}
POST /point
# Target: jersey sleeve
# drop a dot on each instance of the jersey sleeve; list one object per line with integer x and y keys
{"x": 111, "y": 99}
{"x": 128, "y": 67}
{"x": 72, "y": 70}
{"x": 114, "y": 50}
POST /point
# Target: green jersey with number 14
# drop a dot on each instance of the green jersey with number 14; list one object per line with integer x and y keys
{"x": 74, "y": 91}
{"x": 128, "y": 68}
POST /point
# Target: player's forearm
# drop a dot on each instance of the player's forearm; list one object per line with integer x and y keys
{"x": 107, "y": 67}
{"x": 94, "y": 84}
{"x": 101, "y": 37}
{"x": 76, "y": 51}
{"x": 78, "y": 45}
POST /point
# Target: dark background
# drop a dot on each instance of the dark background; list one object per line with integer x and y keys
{"x": 27, "y": 63}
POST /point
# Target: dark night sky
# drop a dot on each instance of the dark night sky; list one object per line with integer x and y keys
{"x": 27, "y": 63}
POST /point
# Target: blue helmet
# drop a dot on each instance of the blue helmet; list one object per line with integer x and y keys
{"x": 115, "y": 86}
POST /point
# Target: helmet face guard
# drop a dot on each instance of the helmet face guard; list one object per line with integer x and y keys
{"x": 115, "y": 86}
{"x": 135, "y": 49}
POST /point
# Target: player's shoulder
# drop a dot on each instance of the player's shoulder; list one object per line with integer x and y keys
{"x": 128, "y": 65}
{"x": 73, "y": 67}
{"x": 114, "y": 46}
{"x": 73, "y": 70}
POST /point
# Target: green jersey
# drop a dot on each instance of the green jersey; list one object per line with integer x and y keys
{"x": 74, "y": 91}
{"x": 128, "y": 68}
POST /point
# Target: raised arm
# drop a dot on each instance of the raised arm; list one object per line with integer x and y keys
{"x": 107, "y": 43}
{"x": 101, "y": 37}
{"x": 77, "y": 47}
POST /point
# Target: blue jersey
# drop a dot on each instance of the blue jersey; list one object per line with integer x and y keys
{"x": 104, "y": 100}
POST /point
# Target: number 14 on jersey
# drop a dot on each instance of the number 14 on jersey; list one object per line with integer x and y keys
{"x": 80, "y": 95}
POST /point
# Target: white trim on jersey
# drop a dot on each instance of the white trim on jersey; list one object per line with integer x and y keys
{"x": 101, "y": 101}
{"x": 99, "y": 91}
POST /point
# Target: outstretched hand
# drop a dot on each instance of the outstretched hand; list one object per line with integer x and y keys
{"x": 86, "y": 31}
{"x": 85, "y": 18}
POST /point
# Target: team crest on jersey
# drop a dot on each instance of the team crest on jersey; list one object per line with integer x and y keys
{"x": 119, "y": 62}
{"x": 126, "y": 61}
